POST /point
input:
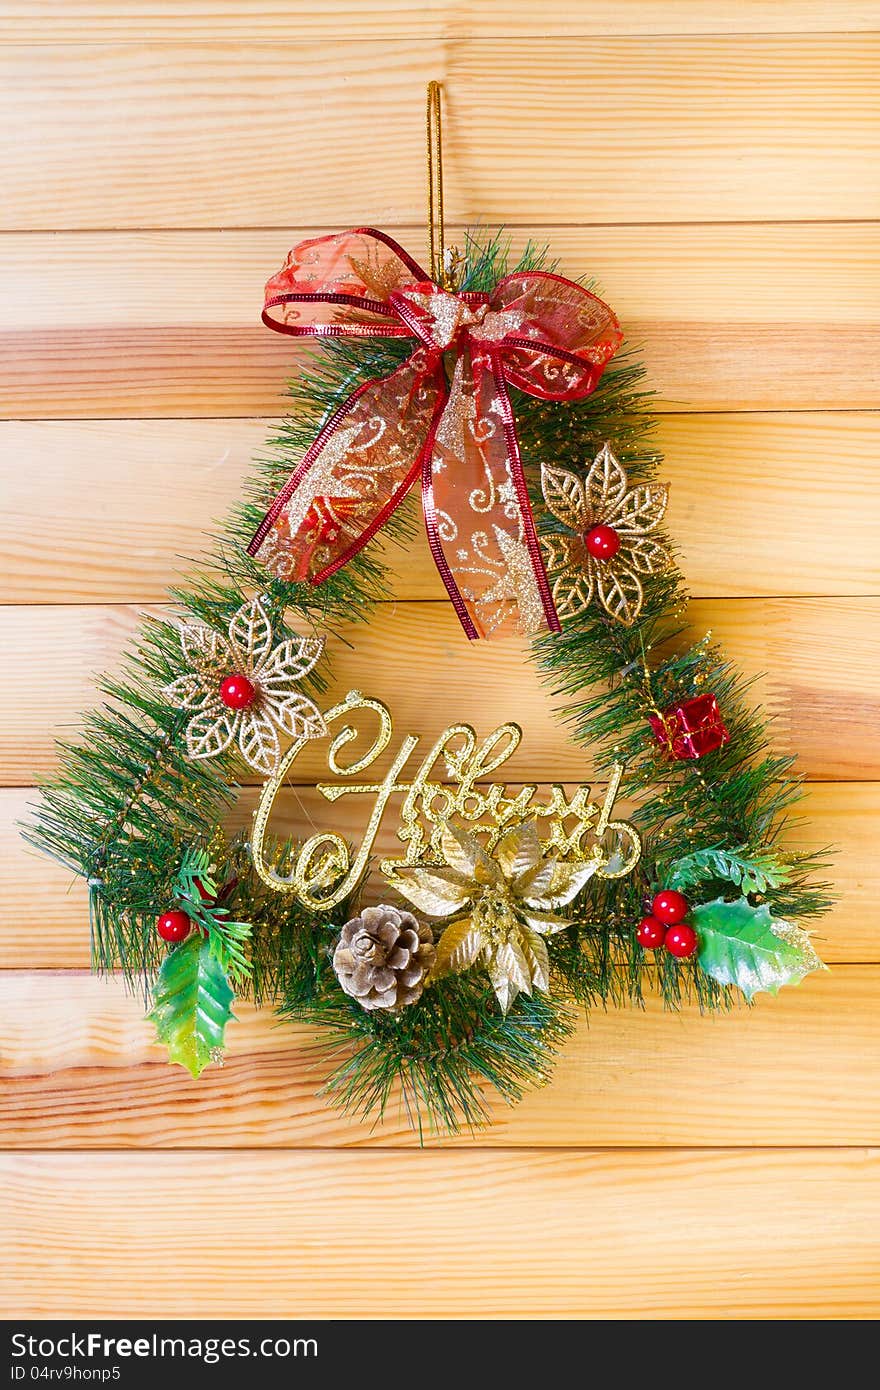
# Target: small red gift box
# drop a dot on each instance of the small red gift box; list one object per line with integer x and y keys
{"x": 690, "y": 729}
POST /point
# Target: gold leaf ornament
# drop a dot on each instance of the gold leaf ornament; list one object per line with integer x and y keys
{"x": 602, "y": 498}
{"x": 502, "y": 904}
{"x": 271, "y": 670}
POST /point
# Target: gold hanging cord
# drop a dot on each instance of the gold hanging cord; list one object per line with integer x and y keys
{"x": 436, "y": 240}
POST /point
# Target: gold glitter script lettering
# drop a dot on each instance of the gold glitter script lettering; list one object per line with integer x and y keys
{"x": 450, "y": 783}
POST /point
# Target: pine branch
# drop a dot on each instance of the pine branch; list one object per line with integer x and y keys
{"x": 127, "y": 806}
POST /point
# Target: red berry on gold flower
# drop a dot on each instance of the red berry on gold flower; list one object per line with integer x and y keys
{"x": 681, "y": 940}
{"x": 173, "y": 926}
{"x": 602, "y": 542}
{"x": 650, "y": 933}
{"x": 237, "y": 692}
{"x": 670, "y": 907}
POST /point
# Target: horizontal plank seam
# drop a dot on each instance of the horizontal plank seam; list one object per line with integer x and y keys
{"x": 24, "y": 230}
{"x": 35, "y": 788}
{"x": 273, "y": 421}
{"x": 663, "y": 414}
{"x": 442, "y": 603}
{"x": 466, "y": 1147}
{"x": 317, "y": 34}
{"x": 462, "y": 224}
{"x": 794, "y": 597}
{"x": 315, "y": 39}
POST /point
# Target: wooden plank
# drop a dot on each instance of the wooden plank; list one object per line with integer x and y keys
{"x": 99, "y": 324}
{"x": 135, "y": 135}
{"x": 822, "y": 273}
{"x": 79, "y": 1069}
{"x": 109, "y": 533}
{"x": 842, "y": 814}
{"x": 820, "y": 656}
{"x": 730, "y": 1234}
{"x": 85, "y": 21}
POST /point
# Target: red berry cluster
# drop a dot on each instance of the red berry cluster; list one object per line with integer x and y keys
{"x": 666, "y": 926}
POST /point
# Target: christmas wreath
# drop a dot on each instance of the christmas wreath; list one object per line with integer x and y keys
{"x": 501, "y": 394}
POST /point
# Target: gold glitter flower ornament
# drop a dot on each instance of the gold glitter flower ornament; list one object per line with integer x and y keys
{"x": 243, "y": 686}
{"x": 610, "y": 546}
{"x": 510, "y": 899}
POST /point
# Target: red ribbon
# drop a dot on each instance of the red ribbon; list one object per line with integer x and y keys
{"x": 538, "y": 332}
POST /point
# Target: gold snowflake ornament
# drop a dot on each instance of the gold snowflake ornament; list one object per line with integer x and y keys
{"x": 243, "y": 687}
{"x": 511, "y": 900}
{"x": 610, "y": 546}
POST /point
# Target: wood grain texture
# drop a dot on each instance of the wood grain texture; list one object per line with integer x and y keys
{"x": 84, "y": 21}
{"x": 128, "y": 135}
{"x": 730, "y": 317}
{"x": 678, "y": 1166}
{"x": 79, "y": 1069}
{"x": 786, "y": 1234}
{"x": 112, "y": 534}
{"x": 748, "y": 274}
{"x": 820, "y": 656}
{"x": 842, "y": 815}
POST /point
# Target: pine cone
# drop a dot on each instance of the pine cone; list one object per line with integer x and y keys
{"x": 383, "y": 956}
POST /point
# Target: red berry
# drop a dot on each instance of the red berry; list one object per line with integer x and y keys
{"x": 681, "y": 940}
{"x": 670, "y": 907}
{"x": 173, "y": 926}
{"x": 602, "y": 542}
{"x": 237, "y": 692}
{"x": 650, "y": 933}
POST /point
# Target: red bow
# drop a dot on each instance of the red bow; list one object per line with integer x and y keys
{"x": 538, "y": 332}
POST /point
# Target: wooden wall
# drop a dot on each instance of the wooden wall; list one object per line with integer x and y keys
{"x": 715, "y": 167}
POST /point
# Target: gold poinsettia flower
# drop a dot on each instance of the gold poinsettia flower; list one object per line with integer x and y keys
{"x": 243, "y": 686}
{"x": 510, "y": 899}
{"x": 607, "y": 545}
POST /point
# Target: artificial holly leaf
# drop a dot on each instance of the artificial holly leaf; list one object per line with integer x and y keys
{"x": 746, "y": 946}
{"x": 192, "y": 1004}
